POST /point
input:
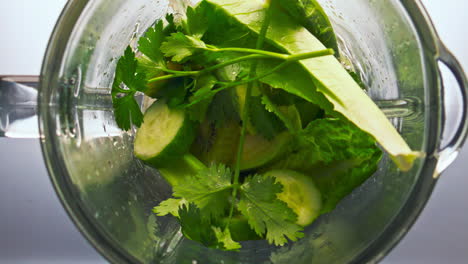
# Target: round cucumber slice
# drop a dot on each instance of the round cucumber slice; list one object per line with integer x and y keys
{"x": 259, "y": 151}
{"x": 164, "y": 136}
{"x": 300, "y": 193}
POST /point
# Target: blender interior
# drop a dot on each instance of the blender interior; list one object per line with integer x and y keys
{"x": 116, "y": 192}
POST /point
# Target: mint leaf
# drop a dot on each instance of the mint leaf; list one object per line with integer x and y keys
{"x": 267, "y": 214}
{"x": 127, "y": 82}
{"x": 180, "y": 46}
{"x": 150, "y": 43}
{"x": 225, "y": 238}
{"x": 169, "y": 206}
{"x": 209, "y": 190}
{"x": 265, "y": 123}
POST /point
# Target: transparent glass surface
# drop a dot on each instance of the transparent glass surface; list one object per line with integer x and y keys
{"x": 110, "y": 194}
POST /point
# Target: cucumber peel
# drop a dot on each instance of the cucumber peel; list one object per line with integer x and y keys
{"x": 166, "y": 135}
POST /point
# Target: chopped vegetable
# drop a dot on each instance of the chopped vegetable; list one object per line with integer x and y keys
{"x": 257, "y": 127}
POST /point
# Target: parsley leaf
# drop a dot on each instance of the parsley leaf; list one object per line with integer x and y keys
{"x": 150, "y": 43}
{"x": 126, "y": 108}
{"x": 169, "y": 206}
{"x": 209, "y": 190}
{"x": 265, "y": 123}
{"x": 180, "y": 46}
{"x": 267, "y": 214}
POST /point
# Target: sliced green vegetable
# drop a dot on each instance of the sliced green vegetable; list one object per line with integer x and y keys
{"x": 259, "y": 151}
{"x": 165, "y": 135}
{"x": 300, "y": 193}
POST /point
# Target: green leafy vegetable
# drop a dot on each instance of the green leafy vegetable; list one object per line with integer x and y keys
{"x": 224, "y": 237}
{"x": 202, "y": 97}
{"x": 265, "y": 123}
{"x": 153, "y": 39}
{"x": 208, "y": 190}
{"x": 330, "y": 79}
{"x": 267, "y": 214}
{"x": 222, "y": 109}
{"x": 180, "y": 46}
{"x": 337, "y": 154}
{"x": 126, "y": 109}
{"x": 169, "y": 206}
{"x": 284, "y": 113}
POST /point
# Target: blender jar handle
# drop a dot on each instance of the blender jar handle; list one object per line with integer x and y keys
{"x": 456, "y": 133}
{"x": 18, "y": 106}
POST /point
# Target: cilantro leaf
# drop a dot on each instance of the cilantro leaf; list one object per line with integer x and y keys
{"x": 267, "y": 214}
{"x": 225, "y": 238}
{"x": 265, "y": 123}
{"x": 337, "y": 154}
{"x": 151, "y": 42}
{"x": 180, "y": 46}
{"x": 201, "y": 99}
{"x": 126, "y": 109}
{"x": 195, "y": 227}
{"x": 209, "y": 190}
{"x": 169, "y": 206}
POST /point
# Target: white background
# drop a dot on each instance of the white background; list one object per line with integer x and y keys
{"x": 35, "y": 229}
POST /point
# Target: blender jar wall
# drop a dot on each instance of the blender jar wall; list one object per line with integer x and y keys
{"x": 109, "y": 193}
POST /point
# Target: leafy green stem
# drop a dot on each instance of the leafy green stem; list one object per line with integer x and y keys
{"x": 285, "y": 57}
{"x": 245, "y": 113}
{"x": 252, "y": 51}
{"x": 226, "y": 85}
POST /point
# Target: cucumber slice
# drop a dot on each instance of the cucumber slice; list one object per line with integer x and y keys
{"x": 180, "y": 170}
{"x": 258, "y": 151}
{"x": 217, "y": 145}
{"x": 300, "y": 193}
{"x": 165, "y": 135}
